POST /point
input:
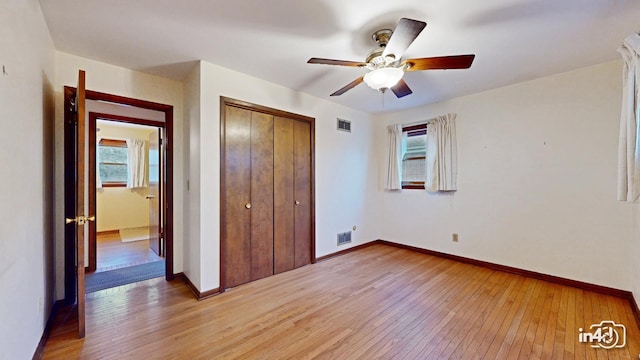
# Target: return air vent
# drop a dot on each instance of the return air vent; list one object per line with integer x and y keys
{"x": 344, "y": 125}
{"x": 344, "y": 238}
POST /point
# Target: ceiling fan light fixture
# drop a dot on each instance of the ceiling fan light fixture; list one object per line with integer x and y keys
{"x": 383, "y": 78}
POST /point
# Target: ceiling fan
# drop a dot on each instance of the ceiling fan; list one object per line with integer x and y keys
{"x": 386, "y": 64}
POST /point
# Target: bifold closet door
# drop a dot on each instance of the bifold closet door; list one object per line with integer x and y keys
{"x": 261, "y": 195}
{"x": 302, "y": 192}
{"x": 292, "y": 194}
{"x": 283, "y": 194}
{"x": 248, "y": 196}
{"x": 237, "y": 233}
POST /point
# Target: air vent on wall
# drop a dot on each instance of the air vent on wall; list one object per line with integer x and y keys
{"x": 344, "y": 238}
{"x": 344, "y": 125}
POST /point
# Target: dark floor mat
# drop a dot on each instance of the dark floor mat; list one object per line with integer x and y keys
{"x": 123, "y": 276}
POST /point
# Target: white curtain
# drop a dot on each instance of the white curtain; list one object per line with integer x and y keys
{"x": 441, "y": 163}
{"x": 629, "y": 149}
{"x": 393, "y": 172}
{"x": 137, "y": 163}
{"x": 98, "y": 180}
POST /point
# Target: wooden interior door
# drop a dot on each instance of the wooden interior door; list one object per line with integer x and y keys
{"x": 283, "y": 196}
{"x": 77, "y": 218}
{"x": 91, "y": 249}
{"x": 302, "y": 192}
{"x": 261, "y": 149}
{"x": 155, "y": 237}
{"x": 236, "y": 202}
{"x": 81, "y": 190}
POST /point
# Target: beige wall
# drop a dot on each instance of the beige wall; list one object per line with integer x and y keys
{"x": 537, "y": 165}
{"x": 116, "y": 207}
{"x": 26, "y": 159}
{"x": 119, "y": 81}
{"x": 345, "y": 166}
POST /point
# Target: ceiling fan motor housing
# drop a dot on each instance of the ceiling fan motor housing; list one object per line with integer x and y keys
{"x": 375, "y": 60}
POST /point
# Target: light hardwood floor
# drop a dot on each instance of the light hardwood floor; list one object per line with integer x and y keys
{"x": 112, "y": 253}
{"x": 378, "y": 302}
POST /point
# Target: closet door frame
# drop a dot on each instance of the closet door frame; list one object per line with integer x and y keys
{"x": 224, "y": 102}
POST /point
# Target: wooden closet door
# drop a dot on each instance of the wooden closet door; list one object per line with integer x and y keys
{"x": 261, "y": 195}
{"x": 236, "y": 234}
{"x": 283, "y": 191}
{"x": 302, "y": 192}
{"x": 267, "y": 204}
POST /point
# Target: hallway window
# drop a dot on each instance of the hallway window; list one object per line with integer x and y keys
{"x": 113, "y": 162}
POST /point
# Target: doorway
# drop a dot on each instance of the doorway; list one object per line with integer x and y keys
{"x": 127, "y": 245}
{"x": 165, "y": 194}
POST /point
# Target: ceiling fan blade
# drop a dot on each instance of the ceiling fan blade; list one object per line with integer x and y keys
{"x": 336, "y": 62}
{"x": 401, "y": 89}
{"x": 440, "y": 63}
{"x": 349, "y": 86}
{"x": 406, "y": 31}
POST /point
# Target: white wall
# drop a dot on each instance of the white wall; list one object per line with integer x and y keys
{"x": 345, "y": 165}
{"x": 537, "y": 180}
{"x": 192, "y": 253}
{"x": 118, "y": 81}
{"x": 26, "y": 159}
{"x": 121, "y": 207}
{"x": 635, "y": 252}
{"x": 123, "y": 110}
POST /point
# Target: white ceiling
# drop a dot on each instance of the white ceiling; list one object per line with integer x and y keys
{"x": 514, "y": 40}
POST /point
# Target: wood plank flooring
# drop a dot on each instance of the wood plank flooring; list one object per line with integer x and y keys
{"x": 113, "y": 254}
{"x": 377, "y": 302}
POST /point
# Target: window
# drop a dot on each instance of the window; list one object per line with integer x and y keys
{"x": 154, "y": 166}
{"x": 414, "y": 157}
{"x": 113, "y": 166}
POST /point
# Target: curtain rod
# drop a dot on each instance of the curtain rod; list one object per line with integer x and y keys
{"x": 420, "y": 122}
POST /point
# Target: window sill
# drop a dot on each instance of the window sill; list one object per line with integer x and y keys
{"x": 412, "y": 187}
{"x": 113, "y": 185}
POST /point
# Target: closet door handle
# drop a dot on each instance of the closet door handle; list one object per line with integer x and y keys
{"x": 248, "y": 205}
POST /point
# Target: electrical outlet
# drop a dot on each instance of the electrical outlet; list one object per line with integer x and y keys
{"x": 454, "y": 237}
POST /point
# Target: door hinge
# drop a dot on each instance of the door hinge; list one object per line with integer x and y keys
{"x": 73, "y": 108}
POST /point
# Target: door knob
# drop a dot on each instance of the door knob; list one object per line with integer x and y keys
{"x": 297, "y": 202}
{"x": 80, "y": 220}
{"x": 248, "y": 205}
{"x": 150, "y": 196}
